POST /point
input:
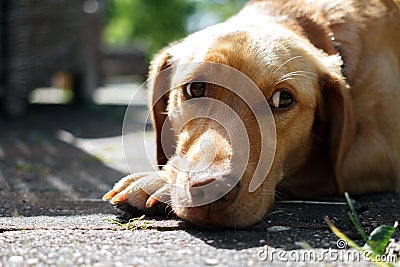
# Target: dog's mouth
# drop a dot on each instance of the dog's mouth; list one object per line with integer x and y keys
{"x": 210, "y": 215}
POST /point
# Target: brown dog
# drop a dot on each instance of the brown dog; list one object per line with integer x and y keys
{"x": 330, "y": 71}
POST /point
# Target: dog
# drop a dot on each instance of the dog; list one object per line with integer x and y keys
{"x": 329, "y": 71}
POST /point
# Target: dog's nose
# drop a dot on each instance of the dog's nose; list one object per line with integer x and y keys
{"x": 198, "y": 190}
{"x": 221, "y": 192}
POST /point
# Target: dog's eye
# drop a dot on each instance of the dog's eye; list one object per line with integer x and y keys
{"x": 195, "y": 89}
{"x": 281, "y": 99}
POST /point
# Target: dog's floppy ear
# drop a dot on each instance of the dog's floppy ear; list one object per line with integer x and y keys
{"x": 335, "y": 109}
{"x": 159, "y": 86}
{"x": 317, "y": 33}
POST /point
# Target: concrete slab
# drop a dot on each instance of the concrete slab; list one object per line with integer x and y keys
{"x": 56, "y": 163}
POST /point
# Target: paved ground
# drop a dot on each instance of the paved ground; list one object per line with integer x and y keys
{"x": 55, "y": 165}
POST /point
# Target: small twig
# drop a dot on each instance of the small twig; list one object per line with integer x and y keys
{"x": 309, "y": 202}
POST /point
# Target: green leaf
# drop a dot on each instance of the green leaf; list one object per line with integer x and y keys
{"x": 380, "y": 238}
{"x": 372, "y": 256}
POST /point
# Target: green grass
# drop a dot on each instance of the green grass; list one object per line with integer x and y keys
{"x": 29, "y": 167}
{"x": 132, "y": 224}
{"x": 32, "y": 168}
{"x": 375, "y": 246}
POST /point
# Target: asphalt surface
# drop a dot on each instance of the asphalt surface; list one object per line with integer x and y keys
{"x": 57, "y": 162}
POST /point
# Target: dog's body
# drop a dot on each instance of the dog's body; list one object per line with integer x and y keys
{"x": 331, "y": 73}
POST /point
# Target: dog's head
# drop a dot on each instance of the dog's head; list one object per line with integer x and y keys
{"x": 302, "y": 86}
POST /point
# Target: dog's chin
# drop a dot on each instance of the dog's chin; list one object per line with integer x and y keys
{"x": 209, "y": 215}
{"x": 223, "y": 214}
{"x": 204, "y": 216}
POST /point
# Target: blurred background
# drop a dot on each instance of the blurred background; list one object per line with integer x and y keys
{"x": 71, "y": 51}
{"x": 68, "y": 69}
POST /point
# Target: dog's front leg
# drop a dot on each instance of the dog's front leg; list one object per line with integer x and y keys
{"x": 140, "y": 191}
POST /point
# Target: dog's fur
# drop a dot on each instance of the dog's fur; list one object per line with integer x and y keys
{"x": 341, "y": 62}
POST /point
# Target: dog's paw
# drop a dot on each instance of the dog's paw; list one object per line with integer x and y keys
{"x": 141, "y": 192}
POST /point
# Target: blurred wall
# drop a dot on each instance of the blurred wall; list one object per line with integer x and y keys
{"x": 40, "y": 39}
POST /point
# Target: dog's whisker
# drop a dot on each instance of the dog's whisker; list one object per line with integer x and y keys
{"x": 258, "y": 218}
{"x": 286, "y": 79}
{"x": 170, "y": 211}
{"x": 299, "y": 73}
{"x": 267, "y": 190}
{"x": 279, "y": 195}
{"x": 305, "y": 72}
{"x": 168, "y": 202}
{"x": 284, "y": 63}
{"x": 293, "y": 73}
{"x": 268, "y": 193}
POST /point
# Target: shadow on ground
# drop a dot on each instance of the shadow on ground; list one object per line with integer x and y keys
{"x": 44, "y": 171}
{"x": 289, "y": 225}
